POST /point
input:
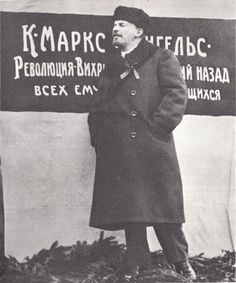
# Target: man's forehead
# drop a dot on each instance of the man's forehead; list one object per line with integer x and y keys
{"x": 122, "y": 22}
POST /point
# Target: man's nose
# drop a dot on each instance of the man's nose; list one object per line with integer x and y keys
{"x": 115, "y": 29}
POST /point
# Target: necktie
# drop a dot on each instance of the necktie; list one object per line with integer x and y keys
{"x": 130, "y": 68}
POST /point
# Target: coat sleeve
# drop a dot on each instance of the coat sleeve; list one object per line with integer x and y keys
{"x": 92, "y": 131}
{"x": 94, "y": 118}
{"x": 173, "y": 88}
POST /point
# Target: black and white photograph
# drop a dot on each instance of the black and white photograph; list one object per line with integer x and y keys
{"x": 117, "y": 141}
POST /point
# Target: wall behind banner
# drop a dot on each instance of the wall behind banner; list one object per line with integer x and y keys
{"x": 48, "y": 164}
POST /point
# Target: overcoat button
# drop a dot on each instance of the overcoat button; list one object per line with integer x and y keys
{"x": 134, "y": 113}
{"x": 117, "y": 179}
{"x": 133, "y": 135}
{"x": 133, "y": 92}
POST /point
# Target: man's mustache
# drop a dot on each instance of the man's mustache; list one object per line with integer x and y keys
{"x": 116, "y": 34}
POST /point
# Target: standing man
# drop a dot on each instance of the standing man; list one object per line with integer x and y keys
{"x": 142, "y": 98}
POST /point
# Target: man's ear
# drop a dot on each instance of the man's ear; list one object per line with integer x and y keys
{"x": 140, "y": 32}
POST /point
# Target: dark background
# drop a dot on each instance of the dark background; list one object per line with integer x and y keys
{"x": 18, "y": 95}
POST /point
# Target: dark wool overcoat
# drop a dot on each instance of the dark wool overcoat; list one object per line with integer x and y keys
{"x": 141, "y": 99}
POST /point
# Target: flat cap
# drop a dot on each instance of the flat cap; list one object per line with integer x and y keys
{"x": 133, "y": 15}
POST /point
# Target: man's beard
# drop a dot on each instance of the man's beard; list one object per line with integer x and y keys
{"x": 116, "y": 42}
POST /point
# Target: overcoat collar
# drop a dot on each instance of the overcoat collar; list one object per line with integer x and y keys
{"x": 117, "y": 64}
{"x": 141, "y": 53}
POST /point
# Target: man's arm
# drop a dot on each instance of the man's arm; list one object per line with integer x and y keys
{"x": 95, "y": 108}
{"x": 173, "y": 87}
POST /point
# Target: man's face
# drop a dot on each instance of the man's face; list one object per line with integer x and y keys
{"x": 123, "y": 33}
